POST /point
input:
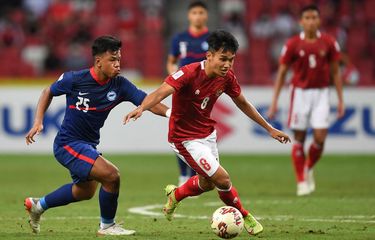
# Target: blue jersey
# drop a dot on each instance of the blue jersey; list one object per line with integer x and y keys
{"x": 88, "y": 103}
{"x": 189, "y": 48}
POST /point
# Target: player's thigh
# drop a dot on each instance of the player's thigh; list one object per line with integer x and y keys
{"x": 321, "y": 109}
{"x": 299, "y": 110}
{"x": 78, "y": 158}
{"x": 198, "y": 155}
{"x": 104, "y": 171}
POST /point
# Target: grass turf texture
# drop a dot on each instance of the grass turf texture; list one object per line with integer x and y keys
{"x": 343, "y": 207}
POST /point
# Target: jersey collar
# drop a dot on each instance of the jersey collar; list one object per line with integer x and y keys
{"x": 302, "y": 35}
{"x": 202, "y": 64}
{"x": 95, "y": 77}
{"x": 197, "y": 35}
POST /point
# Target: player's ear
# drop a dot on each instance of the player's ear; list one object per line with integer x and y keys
{"x": 208, "y": 54}
{"x": 97, "y": 60}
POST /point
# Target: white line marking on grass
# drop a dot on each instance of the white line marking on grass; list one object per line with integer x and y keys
{"x": 149, "y": 210}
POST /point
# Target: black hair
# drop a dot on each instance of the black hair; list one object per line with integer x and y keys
{"x": 198, "y": 4}
{"x": 310, "y": 7}
{"x": 105, "y": 43}
{"x": 221, "y": 39}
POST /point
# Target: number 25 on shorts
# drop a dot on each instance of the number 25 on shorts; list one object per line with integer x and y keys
{"x": 203, "y": 162}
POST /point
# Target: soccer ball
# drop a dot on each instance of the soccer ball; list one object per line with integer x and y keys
{"x": 227, "y": 222}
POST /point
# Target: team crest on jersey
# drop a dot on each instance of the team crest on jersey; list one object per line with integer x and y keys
{"x": 197, "y": 92}
{"x": 322, "y": 53}
{"x": 302, "y": 53}
{"x": 204, "y": 46}
{"x": 219, "y": 92}
{"x": 111, "y": 96}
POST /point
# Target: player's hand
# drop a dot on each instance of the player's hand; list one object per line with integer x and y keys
{"x": 35, "y": 130}
{"x": 271, "y": 113}
{"x": 279, "y": 135}
{"x": 135, "y": 114}
{"x": 340, "y": 109}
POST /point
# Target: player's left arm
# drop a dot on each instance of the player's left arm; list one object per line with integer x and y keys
{"x": 249, "y": 110}
{"x": 336, "y": 76}
{"x": 150, "y": 101}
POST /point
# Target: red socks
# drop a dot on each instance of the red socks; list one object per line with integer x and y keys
{"x": 188, "y": 189}
{"x": 230, "y": 197}
{"x": 298, "y": 157}
{"x": 315, "y": 151}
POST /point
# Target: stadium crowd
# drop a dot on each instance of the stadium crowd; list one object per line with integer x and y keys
{"x": 42, "y": 38}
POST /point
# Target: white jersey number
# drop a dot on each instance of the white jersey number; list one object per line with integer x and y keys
{"x": 312, "y": 61}
{"x": 205, "y": 102}
{"x": 84, "y": 102}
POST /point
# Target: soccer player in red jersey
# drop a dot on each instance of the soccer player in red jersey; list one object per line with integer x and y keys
{"x": 314, "y": 57}
{"x": 195, "y": 88}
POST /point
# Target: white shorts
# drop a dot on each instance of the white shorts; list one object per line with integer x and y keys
{"x": 200, "y": 154}
{"x": 309, "y": 107}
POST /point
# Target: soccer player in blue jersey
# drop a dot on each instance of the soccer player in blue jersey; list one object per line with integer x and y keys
{"x": 188, "y": 47}
{"x": 90, "y": 95}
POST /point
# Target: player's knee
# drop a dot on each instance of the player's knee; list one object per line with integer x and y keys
{"x": 114, "y": 177}
{"x": 223, "y": 183}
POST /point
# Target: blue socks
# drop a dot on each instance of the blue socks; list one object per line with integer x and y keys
{"x": 59, "y": 197}
{"x": 185, "y": 170}
{"x": 108, "y": 207}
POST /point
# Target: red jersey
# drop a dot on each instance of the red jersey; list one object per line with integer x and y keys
{"x": 310, "y": 60}
{"x": 193, "y": 100}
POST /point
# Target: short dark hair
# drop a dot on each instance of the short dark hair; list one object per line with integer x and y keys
{"x": 105, "y": 43}
{"x": 311, "y": 7}
{"x": 221, "y": 39}
{"x": 198, "y": 4}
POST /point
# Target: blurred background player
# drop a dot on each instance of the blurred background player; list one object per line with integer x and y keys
{"x": 188, "y": 47}
{"x": 192, "y": 135}
{"x": 90, "y": 95}
{"x": 314, "y": 57}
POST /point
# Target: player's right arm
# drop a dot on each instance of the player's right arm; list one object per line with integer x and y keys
{"x": 172, "y": 64}
{"x": 173, "y": 56}
{"x": 279, "y": 83}
{"x": 43, "y": 104}
{"x": 286, "y": 59}
{"x": 62, "y": 86}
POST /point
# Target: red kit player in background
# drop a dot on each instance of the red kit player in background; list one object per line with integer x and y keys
{"x": 314, "y": 57}
{"x": 192, "y": 136}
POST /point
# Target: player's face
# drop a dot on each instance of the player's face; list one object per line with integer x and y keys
{"x": 198, "y": 17}
{"x": 109, "y": 63}
{"x": 310, "y": 21}
{"x": 220, "y": 62}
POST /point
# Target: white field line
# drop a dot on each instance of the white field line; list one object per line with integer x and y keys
{"x": 154, "y": 210}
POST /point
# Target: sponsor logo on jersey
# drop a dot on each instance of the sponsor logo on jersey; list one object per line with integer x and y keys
{"x": 183, "y": 49}
{"x": 111, "y": 96}
{"x": 82, "y": 93}
{"x": 177, "y": 74}
{"x": 197, "y": 92}
{"x": 302, "y": 53}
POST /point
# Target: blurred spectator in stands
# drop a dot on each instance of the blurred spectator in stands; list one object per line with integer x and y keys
{"x": 263, "y": 27}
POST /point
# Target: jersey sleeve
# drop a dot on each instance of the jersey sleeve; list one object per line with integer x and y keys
{"x": 334, "y": 51}
{"x": 233, "y": 88}
{"x": 131, "y": 93}
{"x": 286, "y": 56}
{"x": 178, "y": 79}
{"x": 63, "y": 85}
{"x": 175, "y": 48}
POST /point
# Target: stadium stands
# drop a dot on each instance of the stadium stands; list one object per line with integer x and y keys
{"x": 44, "y": 38}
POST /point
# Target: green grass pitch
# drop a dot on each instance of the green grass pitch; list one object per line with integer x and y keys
{"x": 343, "y": 206}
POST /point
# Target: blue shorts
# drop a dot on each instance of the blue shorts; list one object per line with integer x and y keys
{"x": 78, "y": 157}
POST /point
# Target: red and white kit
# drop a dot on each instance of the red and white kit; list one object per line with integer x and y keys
{"x": 310, "y": 61}
{"x": 192, "y": 132}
